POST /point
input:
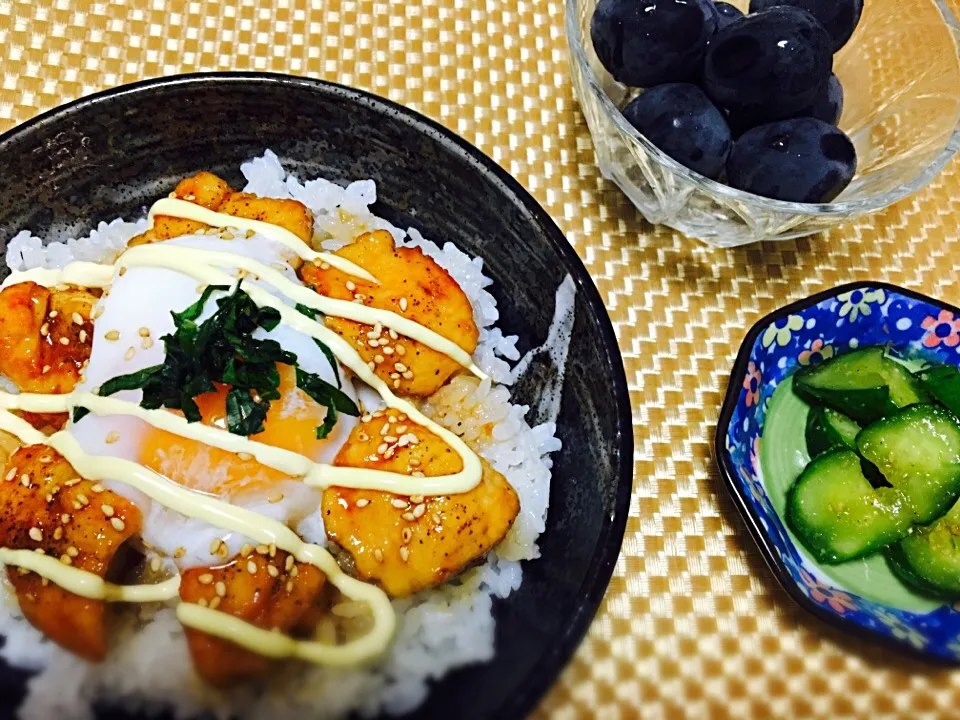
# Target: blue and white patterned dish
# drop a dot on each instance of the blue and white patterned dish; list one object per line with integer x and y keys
{"x": 807, "y": 332}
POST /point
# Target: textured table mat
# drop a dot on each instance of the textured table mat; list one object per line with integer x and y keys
{"x": 693, "y": 624}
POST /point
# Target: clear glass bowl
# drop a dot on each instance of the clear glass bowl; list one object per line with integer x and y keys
{"x": 901, "y": 76}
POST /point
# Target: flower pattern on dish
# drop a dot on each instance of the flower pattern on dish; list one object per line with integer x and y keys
{"x": 781, "y": 332}
{"x": 751, "y": 383}
{"x": 899, "y": 629}
{"x": 839, "y": 602}
{"x": 819, "y": 352}
{"x": 942, "y": 329}
{"x": 856, "y": 303}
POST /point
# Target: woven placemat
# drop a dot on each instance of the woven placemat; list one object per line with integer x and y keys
{"x": 693, "y": 624}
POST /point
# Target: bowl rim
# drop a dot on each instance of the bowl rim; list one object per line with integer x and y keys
{"x": 748, "y": 513}
{"x": 604, "y": 557}
{"x": 730, "y": 194}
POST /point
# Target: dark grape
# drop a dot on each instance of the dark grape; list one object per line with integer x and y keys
{"x": 728, "y": 14}
{"x": 839, "y": 17}
{"x": 800, "y": 160}
{"x": 643, "y": 43}
{"x": 680, "y": 120}
{"x": 768, "y": 66}
{"x": 829, "y": 106}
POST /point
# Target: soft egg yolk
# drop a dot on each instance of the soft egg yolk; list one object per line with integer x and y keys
{"x": 291, "y": 424}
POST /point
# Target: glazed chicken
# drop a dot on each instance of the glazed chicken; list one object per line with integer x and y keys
{"x": 215, "y": 194}
{"x": 265, "y": 587}
{"x": 45, "y": 336}
{"x": 412, "y": 285}
{"x": 44, "y": 505}
{"x": 408, "y": 544}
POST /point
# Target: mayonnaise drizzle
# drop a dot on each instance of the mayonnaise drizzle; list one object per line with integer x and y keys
{"x": 204, "y": 265}
{"x": 225, "y": 516}
{"x": 175, "y": 207}
{"x": 87, "y": 584}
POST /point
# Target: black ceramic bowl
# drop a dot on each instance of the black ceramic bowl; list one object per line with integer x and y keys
{"x": 112, "y": 154}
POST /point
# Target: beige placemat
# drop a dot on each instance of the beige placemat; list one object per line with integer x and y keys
{"x": 693, "y": 624}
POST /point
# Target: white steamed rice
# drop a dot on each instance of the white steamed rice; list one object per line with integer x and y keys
{"x": 148, "y": 666}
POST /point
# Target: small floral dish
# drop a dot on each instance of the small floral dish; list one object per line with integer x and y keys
{"x": 760, "y": 450}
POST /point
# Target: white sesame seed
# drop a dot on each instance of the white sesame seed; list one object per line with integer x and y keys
{"x": 97, "y": 312}
{"x": 363, "y": 437}
{"x": 399, "y": 504}
{"x": 403, "y": 304}
{"x": 324, "y": 266}
{"x": 289, "y": 586}
{"x": 117, "y": 524}
{"x": 419, "y": 510}
{"x": 45, "y": 329}
{"x": 154, "y": 563}
{"x": 378, "y": 359}
{"x": 244, "y": 456}
{"x": 416, "y": 499}
{"x": 83, "y": 336}
{"x": 396, "y": 384}
{"x": 221, "y": 588}
{"x": 251, "y": 567}
{"x": 362, "y": 503}
{"x": 262, "y": 549}
{"x": 404, "y": 441}
{"x": 83, "y": 499}
{"x": 408, "y": 516}
{"x": 215, "y": 602}
{"x": 435, "y": 518}
{"x": 112, "y": 335}
{"x": 366, "y": 418}
{"x": 72, "y": 482}
{"x": 179, "y": 552}
{"x": 131, "y": 351}
{"x": 288, "y": 563}
{"x": 378, "y": 555}
{"x": 25, "y": 480}
{"x": 146, "y": 343}
{"x": 393, "y": 334}
{"x": 404, "y": 553}
{"x": 401, "y": 429}
{"x": 273, "y": 550}
{"x": 351, "y": 286}
{"x": 52, "y": 314}
{"x": 65, "y": 518}
{"x": 202, "y": 602}
{"x": 373, "y": 343}
{"x": 112, "y": 437}
{"x": 384, "y": 342}
{"x": 44, "y": 581}
{"x": 275, "y": 498}
{"x": 46, "y": 369}
{"x": 400, "y": 367}
{"x": 272, "y": 571}
{"x": 401, "y": 350}
{"x": 408, "y": 375}
{"x": 205, "y": 579}
{"x": 246, "y": 549}
{"x": 371, "y": 364}
{"x": 382, "y": 448}
{"x": 390, "y": 439}
{"x": 11, "y": 474}
{"x": 215, "y": 545}
{"x": 417, "y": 473}
{"x": 407, "y": 535}
{"x": 66, "y": 560}
{"x": 144, "y": 332}
{"x": 107, "y": 510}
{"x": 64, "y": 340}
{"x": 77, "y": 318}
{"x": 294, "y": 571}
{"x": 73, "y": 552}
{"x": 36, "y": 534}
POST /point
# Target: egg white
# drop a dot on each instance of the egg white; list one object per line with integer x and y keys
{"x": 145, "y": 298}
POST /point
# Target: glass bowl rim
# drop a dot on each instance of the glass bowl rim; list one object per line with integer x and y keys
{"x": 714, "y": 188}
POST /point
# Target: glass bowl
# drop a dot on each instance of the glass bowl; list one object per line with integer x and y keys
{"x": 901, "y": 76}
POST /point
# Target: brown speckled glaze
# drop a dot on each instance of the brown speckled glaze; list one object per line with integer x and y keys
{"x": 114, "y": 153}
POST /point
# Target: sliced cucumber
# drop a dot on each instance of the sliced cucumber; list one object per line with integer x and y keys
{"x": 864, "y": 384}
{"x": 943, "y": 382}
{"x": 828, "y": 429}
{"x": 918, "y": 451}
{"x": 930, "y": 557}
{"x": 901, "y": 567}
{"x": 838, "y": 515}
